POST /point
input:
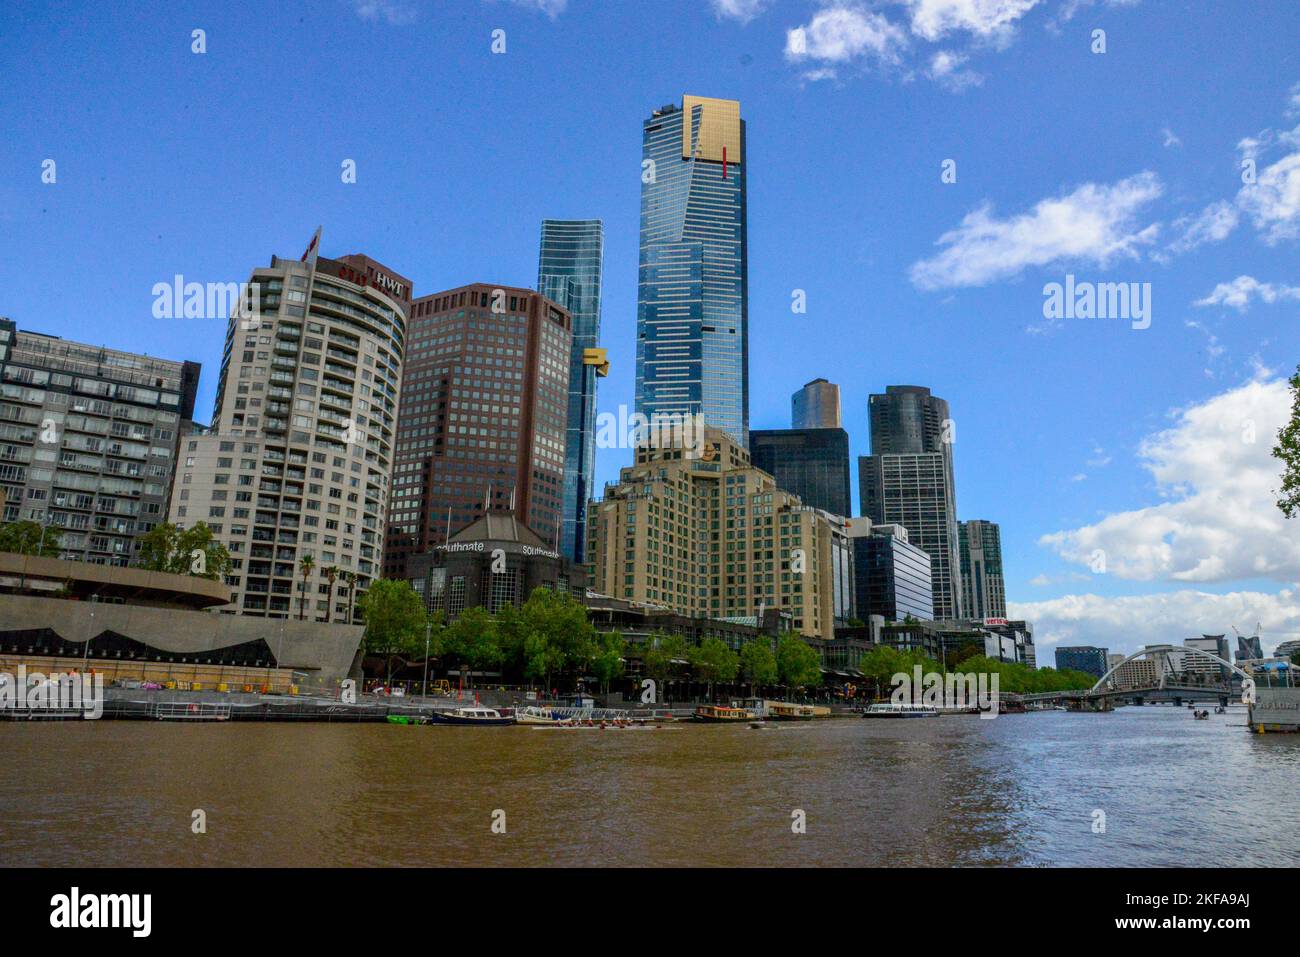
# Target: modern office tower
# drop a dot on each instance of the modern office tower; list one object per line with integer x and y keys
{"x": 811, "y": 463}
{"x": 568, "y": 273}
{"x": 297, "y": 461}
{"x": 816, "y": 406}
{"x": 692, "y": 348}
{"x": 891, "y": 575}
{"x": 908, "y": 480}
{"x": 1086, "y": 658}
{"x": 88, "y": 440}
{"x": 1215, "y": 645}
{"x": 484, "y": 410}
{"x": 705, "y": 534}
{"x": 1249, "y": 649}
{"x": 984, "y": 593}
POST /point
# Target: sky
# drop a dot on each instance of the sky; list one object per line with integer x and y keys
{"x": 921, "y": 170}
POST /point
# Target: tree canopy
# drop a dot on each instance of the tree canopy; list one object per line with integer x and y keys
{"x": 183, "y": 551}
{"x": 30, "y": 538}
{"x": 1287, "y": 451}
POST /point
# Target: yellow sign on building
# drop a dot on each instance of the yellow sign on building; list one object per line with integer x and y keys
{"x": 597, "y": 358}
{"x": 719, "y": 128}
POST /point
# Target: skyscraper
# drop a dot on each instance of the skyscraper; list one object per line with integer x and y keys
{"x": 908, "y": 480}
{"x": 692, "y": 351}
{"x": 482, "y": 427}
{"x": 568, "y": 273}
{"x": 298, "y": 459}
{"x": 816, "y": 406}
{"x": 811, "y": 463}
{"x": 88, "y": 440}
{"x": 984, "y": 593}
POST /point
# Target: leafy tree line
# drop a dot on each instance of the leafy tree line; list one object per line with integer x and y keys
{"x": 882, "y": 663}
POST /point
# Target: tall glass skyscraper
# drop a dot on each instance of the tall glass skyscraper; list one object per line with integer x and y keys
{"x": 692, "y": 350}
{"x": 568, "y": 273}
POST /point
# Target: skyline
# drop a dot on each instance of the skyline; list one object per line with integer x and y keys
{"x": 901, "y": 256}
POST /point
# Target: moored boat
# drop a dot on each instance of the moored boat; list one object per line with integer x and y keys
{"x": 488, "y": 716}
{"x": 721, "y": 714}
{"x": 787, "y": 711}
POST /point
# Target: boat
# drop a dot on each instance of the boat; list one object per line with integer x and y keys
{"x": 888, "y": 709}
{"x": 721, "y": 714}
{"x": 538, "y": 716}
{"x": 1201, "y": 715}
{"x": 785, "y": 711}
{"x": 489, "y": 716}
{"x": 405, "y": 719}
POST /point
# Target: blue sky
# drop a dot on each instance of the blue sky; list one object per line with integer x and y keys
{"x": 1076, "y": 435}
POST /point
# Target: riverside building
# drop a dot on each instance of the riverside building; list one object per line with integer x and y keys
{"x": 296, "y": 463}
{"x": 706, "y": 534}
{"x": 485, "y": 400}
{"x": 983, "y": 586}
{"x": 88, "y": 440}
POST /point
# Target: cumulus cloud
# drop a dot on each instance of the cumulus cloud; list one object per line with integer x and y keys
{"x": 945, "y": 69}
{"x": 842, "y": 34}
{"x": 1273, "y": 201}
{"x": 1096, "y": 223}
{"x": 1219, "y": 522}
{"x": 1241, "y": 290}
{"x": 990, "y": 20}
{"x": 742, "y": 10}
{"x": 1125, "y": 624}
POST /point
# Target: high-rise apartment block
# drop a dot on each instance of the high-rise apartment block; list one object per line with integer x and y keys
{"x": 88, "y": 440}
{"x": 908, "y": 480}
{"x": 816, "y": 406}
{"x": 484, "y": 415}
{"x": 692, "y": 348}
{"x": 811, "y": 463}
{"x": 297, "y": 461}
{"x": 705, "y": 534}
{"x": 983, "y": 587}
{"x": 569, "y": 274}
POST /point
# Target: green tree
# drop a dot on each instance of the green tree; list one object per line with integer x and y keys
{"x": 395, "y": 621}
{"x": 1287, "y": 451}
{"x": 880, "y": 664}
{"x": 29, "y": 538}
{"x": 608, "y": 662}
{"x": 659, "y": 653}
{"x": 306, "y": 564}
{"x": 183, "y": 551}
{"x": 331, "y": 574}
{"x": 558, "y": 636}
{"x": 714, "y": 661}
{"x": 472, "y": 640}
{"x": 758, "y": 664}
{"x": 797, "y": 663}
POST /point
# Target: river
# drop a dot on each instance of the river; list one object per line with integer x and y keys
{"x": 1017, "y": 790}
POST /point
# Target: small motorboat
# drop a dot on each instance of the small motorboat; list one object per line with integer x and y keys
{"x": 405, "y": 719}
{"x": 486, "y": 716}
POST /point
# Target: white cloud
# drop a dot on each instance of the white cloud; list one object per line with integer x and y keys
{"x": 1069, "y": 8}
{"x": 742, "y": 10}
{"x": 1238, "y": 293}
{"x": 843, "y": 33}
{"x": 1293, "y": 101}
{"x": 1273, "y": 201}
{"x": 945, "y": 70}
{"x": 552, "y": 8}
{"x": 1220, "y": 522}
{"x": 1095, "y": 223}
{"x": 1211, "y": 225}
{"x": 1170, "y": 138}
{"x": 390, "y": 11}
{"x": 1127, "y": 623}
{"x": 993, "y": 20}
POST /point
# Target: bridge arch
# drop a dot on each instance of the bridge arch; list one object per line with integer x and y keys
{"x": 1165, "y": 649}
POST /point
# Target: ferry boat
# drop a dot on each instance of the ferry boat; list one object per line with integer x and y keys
{"x": 471, "y": 716}
{"x": 888, "y": 709}
{"x": 786, "y": 711}
{"x": 721, "y": 714}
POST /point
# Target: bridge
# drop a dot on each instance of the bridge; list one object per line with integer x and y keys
{"x": 1169, "y": 685}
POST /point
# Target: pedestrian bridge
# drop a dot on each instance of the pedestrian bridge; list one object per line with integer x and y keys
{"x": 1168, "y": 685}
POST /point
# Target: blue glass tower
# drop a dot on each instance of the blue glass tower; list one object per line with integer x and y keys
{"x": 568, "y": 273}
{"x": 692, "y": 349}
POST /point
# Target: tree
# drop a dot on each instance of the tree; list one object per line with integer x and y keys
{"x": 183, "y": 551}
{"x": 395, "y": 620}
{"x": 714, "y": 661}
{"x": 306, "y": 563}
{"x": 472, "y": 640}
{"x": 659, "y": 654}
{"x": 30, "y": 538}
{"x": 1287, "y": 451}
{"x": 331, "y": 573}
{"x": 350, "y": 579}
{"x": 797, "y": 663}
{"x": 758, "y": 664}
{"x": 558, "y": 635}
{"x": 608, "y": 661}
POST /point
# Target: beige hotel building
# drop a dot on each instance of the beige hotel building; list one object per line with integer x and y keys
{"x": 706, "y": 534}
{"x": 298, "y": 458}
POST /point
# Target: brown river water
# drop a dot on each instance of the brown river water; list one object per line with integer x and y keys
{"x": 1020, "y": 789}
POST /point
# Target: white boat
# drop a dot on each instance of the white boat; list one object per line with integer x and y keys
{"x": 537, "y": 716}
{"x": 888, "y": 709}
{"x": 487, "y": 716}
